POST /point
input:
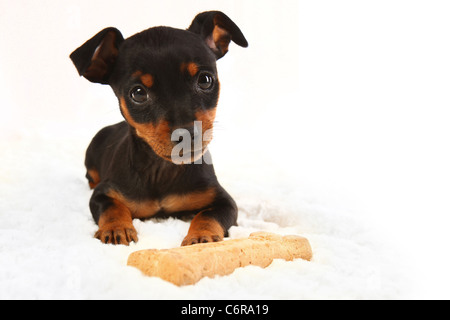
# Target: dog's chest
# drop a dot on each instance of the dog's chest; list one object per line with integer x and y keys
{"x": 169, "y": 204}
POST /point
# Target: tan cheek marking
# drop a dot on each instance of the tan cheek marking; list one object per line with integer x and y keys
{"x": 207, "y": 118}
{"x": 126, "y": 114}
{"x": 156, "y": 135}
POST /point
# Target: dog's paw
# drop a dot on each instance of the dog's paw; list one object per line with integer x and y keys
{"x": 201, "y": 237}
{"x": 117, "y": 234}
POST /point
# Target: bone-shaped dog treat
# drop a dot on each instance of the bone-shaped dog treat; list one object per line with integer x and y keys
{"x": 187, "y": 265}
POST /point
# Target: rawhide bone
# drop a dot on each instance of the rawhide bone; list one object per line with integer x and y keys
{"x": 187, "y": 265}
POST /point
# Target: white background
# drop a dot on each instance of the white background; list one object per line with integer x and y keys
{"x": 347, "y": 100}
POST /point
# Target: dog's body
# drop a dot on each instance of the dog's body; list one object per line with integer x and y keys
{"x": 165, "y": 79}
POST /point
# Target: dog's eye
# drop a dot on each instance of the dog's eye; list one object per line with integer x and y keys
{"x": 205, "y": 81}
{"x": 139, "y": 94}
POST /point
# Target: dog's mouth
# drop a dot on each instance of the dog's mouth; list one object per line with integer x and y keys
{"x": 183, "y": 156}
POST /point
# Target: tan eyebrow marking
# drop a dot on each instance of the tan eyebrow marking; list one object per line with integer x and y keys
{"x": 146, "y": 79}
{"x": 190, "y": 67}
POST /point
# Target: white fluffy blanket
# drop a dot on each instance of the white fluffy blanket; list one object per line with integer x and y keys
{"x": 47, "y": 249}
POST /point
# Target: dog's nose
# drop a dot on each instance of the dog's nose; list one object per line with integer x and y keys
{"x": 193, "y": 132}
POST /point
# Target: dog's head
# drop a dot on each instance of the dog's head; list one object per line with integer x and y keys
{"x": 165, "y": 78}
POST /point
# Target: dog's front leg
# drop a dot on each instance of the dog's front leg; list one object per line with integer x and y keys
{"x": 114, "y": 219}
{"x": 212, "y": 224}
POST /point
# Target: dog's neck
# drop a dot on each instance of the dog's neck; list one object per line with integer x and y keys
{"x": 162, "y": 174}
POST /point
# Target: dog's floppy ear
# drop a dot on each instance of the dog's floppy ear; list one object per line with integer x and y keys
{"x": 95, "y": 59}
{"x": 217, "y": 30}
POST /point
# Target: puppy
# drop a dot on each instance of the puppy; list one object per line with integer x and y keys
{"x": 166, "y": 82}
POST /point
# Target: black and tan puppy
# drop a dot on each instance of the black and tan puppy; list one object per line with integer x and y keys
{"x": 165, "y": 79}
